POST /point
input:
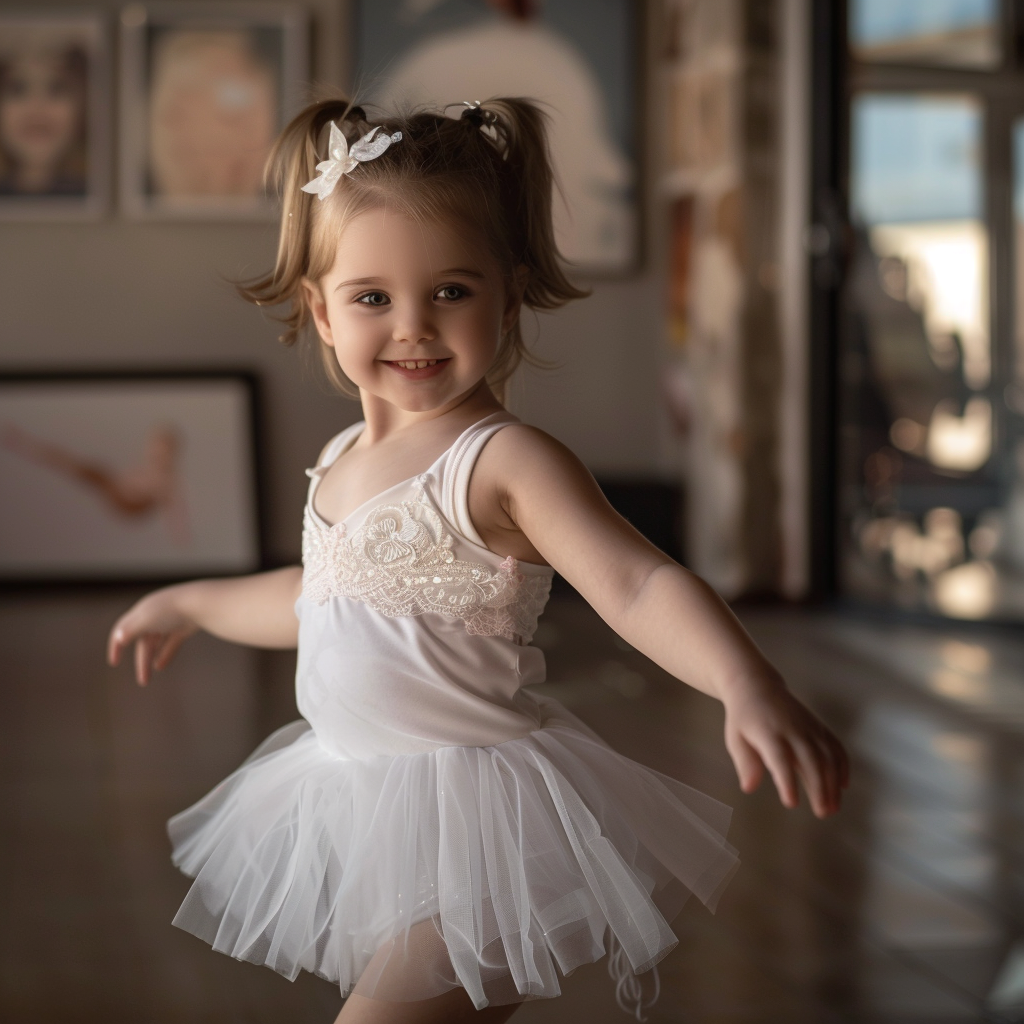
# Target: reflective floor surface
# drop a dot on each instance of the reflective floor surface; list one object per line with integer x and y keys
{"x": 908, "y": 907}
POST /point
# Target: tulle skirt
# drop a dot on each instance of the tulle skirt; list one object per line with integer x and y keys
{"x": 477, "y": 867}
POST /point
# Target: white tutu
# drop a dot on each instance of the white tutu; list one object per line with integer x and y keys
{"x": 432, "y": 823}
{"x": 402, "y": 877}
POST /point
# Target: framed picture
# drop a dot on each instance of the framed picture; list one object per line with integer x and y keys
{"x": 577, "y": 57}
{"x": 54, "y": 115}
{"x": 127, "y": 477}
{"x": 206, "y": 87}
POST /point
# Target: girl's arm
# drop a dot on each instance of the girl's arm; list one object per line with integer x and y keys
{"x": 660, "y": 608}
{"x": 256, "y": 610}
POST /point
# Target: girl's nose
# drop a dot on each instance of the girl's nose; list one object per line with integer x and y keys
{"x": 415, "y": 324}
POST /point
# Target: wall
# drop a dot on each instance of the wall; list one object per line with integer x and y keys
{"x": 117, "y": 293}
{"x": 737, "y": 176}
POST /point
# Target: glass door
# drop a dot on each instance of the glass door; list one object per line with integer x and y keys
{"x": 931, "y": 351}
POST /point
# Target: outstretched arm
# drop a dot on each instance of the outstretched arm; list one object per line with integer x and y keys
{"x": 663, "y": 610}
{"x": 256, "y": 610}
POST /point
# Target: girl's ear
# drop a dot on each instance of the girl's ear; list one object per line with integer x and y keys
{"x": 318, "y": 309}
{"x": 514, "y": 298}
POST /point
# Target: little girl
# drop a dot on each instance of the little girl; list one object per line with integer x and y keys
{"x": 432, "y": 836}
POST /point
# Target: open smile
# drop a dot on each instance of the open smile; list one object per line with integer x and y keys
{"x": 417, "y": 369}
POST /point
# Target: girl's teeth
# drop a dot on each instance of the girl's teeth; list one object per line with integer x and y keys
{"x": 415, "y": 364}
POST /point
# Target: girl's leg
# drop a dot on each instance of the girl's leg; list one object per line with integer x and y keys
{"x": 384, "y": 974}
{"x": 452, "y": 1008}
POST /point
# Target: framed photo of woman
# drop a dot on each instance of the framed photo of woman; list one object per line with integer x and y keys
{"x": 54, "y": 120}
{"x": 206, "y": 87}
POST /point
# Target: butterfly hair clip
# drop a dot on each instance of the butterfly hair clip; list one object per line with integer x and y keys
{"x": 343, "y": 160}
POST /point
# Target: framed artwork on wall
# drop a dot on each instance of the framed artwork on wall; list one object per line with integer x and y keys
{"x": 205, "y": 89}
{"x": 54, "y": 115}
{"x": 577, "y": 57}
{"x": 120, "y": 477}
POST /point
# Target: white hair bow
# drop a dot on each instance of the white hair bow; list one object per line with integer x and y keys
{"x": 343, "y": 160}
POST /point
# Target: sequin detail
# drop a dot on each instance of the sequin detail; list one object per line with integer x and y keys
{"x": 400, "y": 562}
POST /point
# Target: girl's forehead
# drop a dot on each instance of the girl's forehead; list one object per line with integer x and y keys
{"x": 396, "y": 239}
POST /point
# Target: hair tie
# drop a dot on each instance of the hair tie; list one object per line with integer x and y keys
{"x": 476, "y": 115}
{"x": 342, "y": 160}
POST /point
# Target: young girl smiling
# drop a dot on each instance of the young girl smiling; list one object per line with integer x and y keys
{"x": 431, "y": 835}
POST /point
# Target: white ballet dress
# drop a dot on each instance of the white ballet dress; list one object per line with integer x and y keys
{"x": 431, "y": 823}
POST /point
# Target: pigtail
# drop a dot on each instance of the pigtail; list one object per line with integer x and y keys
{"x": 514, "y": 129}
{"x": 517, "y": 127}
{"x": 292, "y": 163}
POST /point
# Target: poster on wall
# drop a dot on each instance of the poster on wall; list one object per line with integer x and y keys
{"x": 206, "y": 88}
{"x": 54, "y": 124}
{"x": 127, "y": 477}
{"x": 577, "y": 57}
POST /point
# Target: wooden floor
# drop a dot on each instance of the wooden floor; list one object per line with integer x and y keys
{"x": 909, "y": 907}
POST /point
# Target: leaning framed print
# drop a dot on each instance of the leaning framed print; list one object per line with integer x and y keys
{"x": 132, "y": 476}
{"x": 578, "y": 58}
{"x": 54, "y": 115}
{"x": 205, "y": 89}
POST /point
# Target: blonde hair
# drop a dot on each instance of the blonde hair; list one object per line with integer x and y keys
{"x": 489, "y": 169}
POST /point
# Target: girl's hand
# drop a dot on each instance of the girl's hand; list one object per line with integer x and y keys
{"x": 766, "y": 727}
{"x": 158, "y": 626}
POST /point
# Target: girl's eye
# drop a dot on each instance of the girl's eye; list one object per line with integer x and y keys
{"x": 373, "y": 299}
{"x": 451, "y": 292}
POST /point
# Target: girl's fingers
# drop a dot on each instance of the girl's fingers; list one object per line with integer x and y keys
{"x": 167, "y": 650}
{"x": 116, "y": 643}
{"x": 144, "y": 648}
{"x": 796, "y": 751}
{"x": 817, "y": 778}
{"x": 779, "y": 761}
{"x": 748, "y": 764}
{"x": 140, "y": 661}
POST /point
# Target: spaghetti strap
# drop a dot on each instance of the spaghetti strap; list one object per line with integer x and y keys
{"x": 335, "y": 447}
{"x": 459, "y": 468}
{"x": 340, "y": 443}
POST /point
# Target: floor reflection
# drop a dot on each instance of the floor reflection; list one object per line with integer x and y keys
{"x": 905, "y": 908}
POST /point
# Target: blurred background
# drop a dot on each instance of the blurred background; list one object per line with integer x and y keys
{"x": 801, "y": 372}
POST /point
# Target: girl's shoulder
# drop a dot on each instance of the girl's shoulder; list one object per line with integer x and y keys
{"x": 520, "y": 451}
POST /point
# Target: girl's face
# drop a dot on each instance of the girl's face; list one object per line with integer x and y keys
{"x": 414, "y": 310}
{"x": 40, "y": 110}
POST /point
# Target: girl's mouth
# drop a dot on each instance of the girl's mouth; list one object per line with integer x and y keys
{"x": 417, "y": 369}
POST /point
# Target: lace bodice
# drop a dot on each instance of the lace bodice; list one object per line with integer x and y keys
{"x": 402, "y": 559}
{"x": 400, "y": 562}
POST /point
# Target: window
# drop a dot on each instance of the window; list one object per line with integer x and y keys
{"x": 931, "y": 352}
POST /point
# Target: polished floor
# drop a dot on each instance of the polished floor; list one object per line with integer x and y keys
{"x": 908, "y": 907}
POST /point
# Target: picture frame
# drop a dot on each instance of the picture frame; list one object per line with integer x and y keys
{"x": 578, "y": 58}
{"x": 133, "y": 476}
{"x": 205, "y": 89}
{"x": 54, "y": 115}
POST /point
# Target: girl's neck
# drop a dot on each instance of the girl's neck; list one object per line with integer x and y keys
{"x": 384, "y": 419}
